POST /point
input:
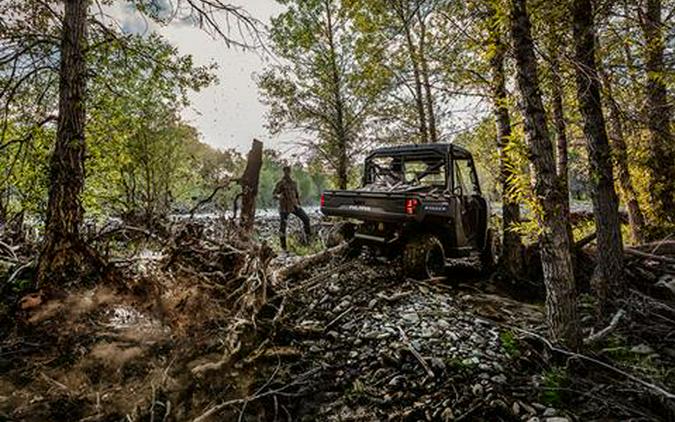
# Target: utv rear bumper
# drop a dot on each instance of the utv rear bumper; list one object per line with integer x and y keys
{"x": 371, "y": 214}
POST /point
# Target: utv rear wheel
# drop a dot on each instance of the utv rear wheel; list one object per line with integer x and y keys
{"x": 424, "y": 257}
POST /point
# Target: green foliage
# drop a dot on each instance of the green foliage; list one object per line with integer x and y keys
{"x": 554, "y": 382}
{"x": 141, "y": 157}
{"x": 583, "y": 229}
{"x": 139, "y": 162}
{"x": 23, "y": 174}
{"x": 298, "y": 247}
{"x": 328, "y": 85}
{"x": 481, "y": 141}
{"x": 509, "y": 343}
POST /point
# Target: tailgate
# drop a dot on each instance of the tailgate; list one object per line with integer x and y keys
{"x": 375, "y": 206}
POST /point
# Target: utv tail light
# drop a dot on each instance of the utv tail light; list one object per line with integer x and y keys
{"x": 411, "y": 205}
{"x": 323, "y": 200}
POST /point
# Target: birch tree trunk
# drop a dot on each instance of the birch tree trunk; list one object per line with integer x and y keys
{"x": 511, "y": 260}
{"x": 561, "y": 308}
{"x": 609, "y": 269}
{"x": 64, "y": 256}
{"x": 661, "y": 159}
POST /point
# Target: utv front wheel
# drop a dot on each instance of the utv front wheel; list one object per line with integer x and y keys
{"x": 424, "y": 257}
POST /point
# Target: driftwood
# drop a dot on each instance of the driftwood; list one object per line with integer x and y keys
{"x": 11, "y": 250}
{"x": 583, "y": 242}
{"x": 414, "y": 352}
{"x": 607, "y": 330}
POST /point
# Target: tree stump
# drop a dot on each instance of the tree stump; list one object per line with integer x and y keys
{"x": 249, "y": 187}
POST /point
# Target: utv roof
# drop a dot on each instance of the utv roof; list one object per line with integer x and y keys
{"x": 421, "y": 149}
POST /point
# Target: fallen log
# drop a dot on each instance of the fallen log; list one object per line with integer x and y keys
{"x": 282, "y": 274}
{"x": 660, "y": 247}
{"x": 646, "y": 255}
{"x": 663, "y": 247}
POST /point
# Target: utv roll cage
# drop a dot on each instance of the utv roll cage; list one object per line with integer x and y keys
{"x": 423, "y": 152}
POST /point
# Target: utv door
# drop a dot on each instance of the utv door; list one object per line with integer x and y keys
{"x": 473, "y": 207}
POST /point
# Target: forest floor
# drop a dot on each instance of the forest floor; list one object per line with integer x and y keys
{"x": 345, "y": 339}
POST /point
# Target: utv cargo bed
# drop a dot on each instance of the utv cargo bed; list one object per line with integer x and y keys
{"x": 368, "y": 206}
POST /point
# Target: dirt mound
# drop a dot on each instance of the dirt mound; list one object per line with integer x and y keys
{"x": 128, "y": 349}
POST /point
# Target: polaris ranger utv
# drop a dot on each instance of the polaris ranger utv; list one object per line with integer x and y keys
{"x": 421, "y": 201}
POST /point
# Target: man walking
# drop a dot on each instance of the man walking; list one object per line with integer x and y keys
{"x": 286, "y": 191}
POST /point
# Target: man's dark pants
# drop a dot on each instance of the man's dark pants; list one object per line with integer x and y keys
{"x": 301, "y": 214}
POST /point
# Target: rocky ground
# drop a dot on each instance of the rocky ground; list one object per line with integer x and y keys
{"x": 370, "y": 346}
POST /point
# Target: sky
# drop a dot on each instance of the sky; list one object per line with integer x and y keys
{"x": 228, "y": 114}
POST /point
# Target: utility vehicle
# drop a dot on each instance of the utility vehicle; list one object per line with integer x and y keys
{"x": 422, "y": 202}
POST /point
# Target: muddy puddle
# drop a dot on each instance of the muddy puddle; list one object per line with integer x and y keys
{"x": 129, "y": 321}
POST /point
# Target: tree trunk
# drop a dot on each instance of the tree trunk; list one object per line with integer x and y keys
{"x": 511, "y": 260}
{"x": 561, "y": 136}
{"x": 4, "y": 200}
{"x": 609, "y": 269}
{"x": 249, "y": 187}
{"x": 343, "y": 170}
{"x": 341, "y": 133}
{"x": 661, "y": 161}
{"x": 403, "y": 12}
{"x": 64, "y": 255}
{"x": 636, "y": 219}
{"x": 561, "y": 308}
{"x": 424, "y": 67}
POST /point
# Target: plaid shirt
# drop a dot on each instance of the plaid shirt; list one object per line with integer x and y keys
{"x": 289, "y": 198}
